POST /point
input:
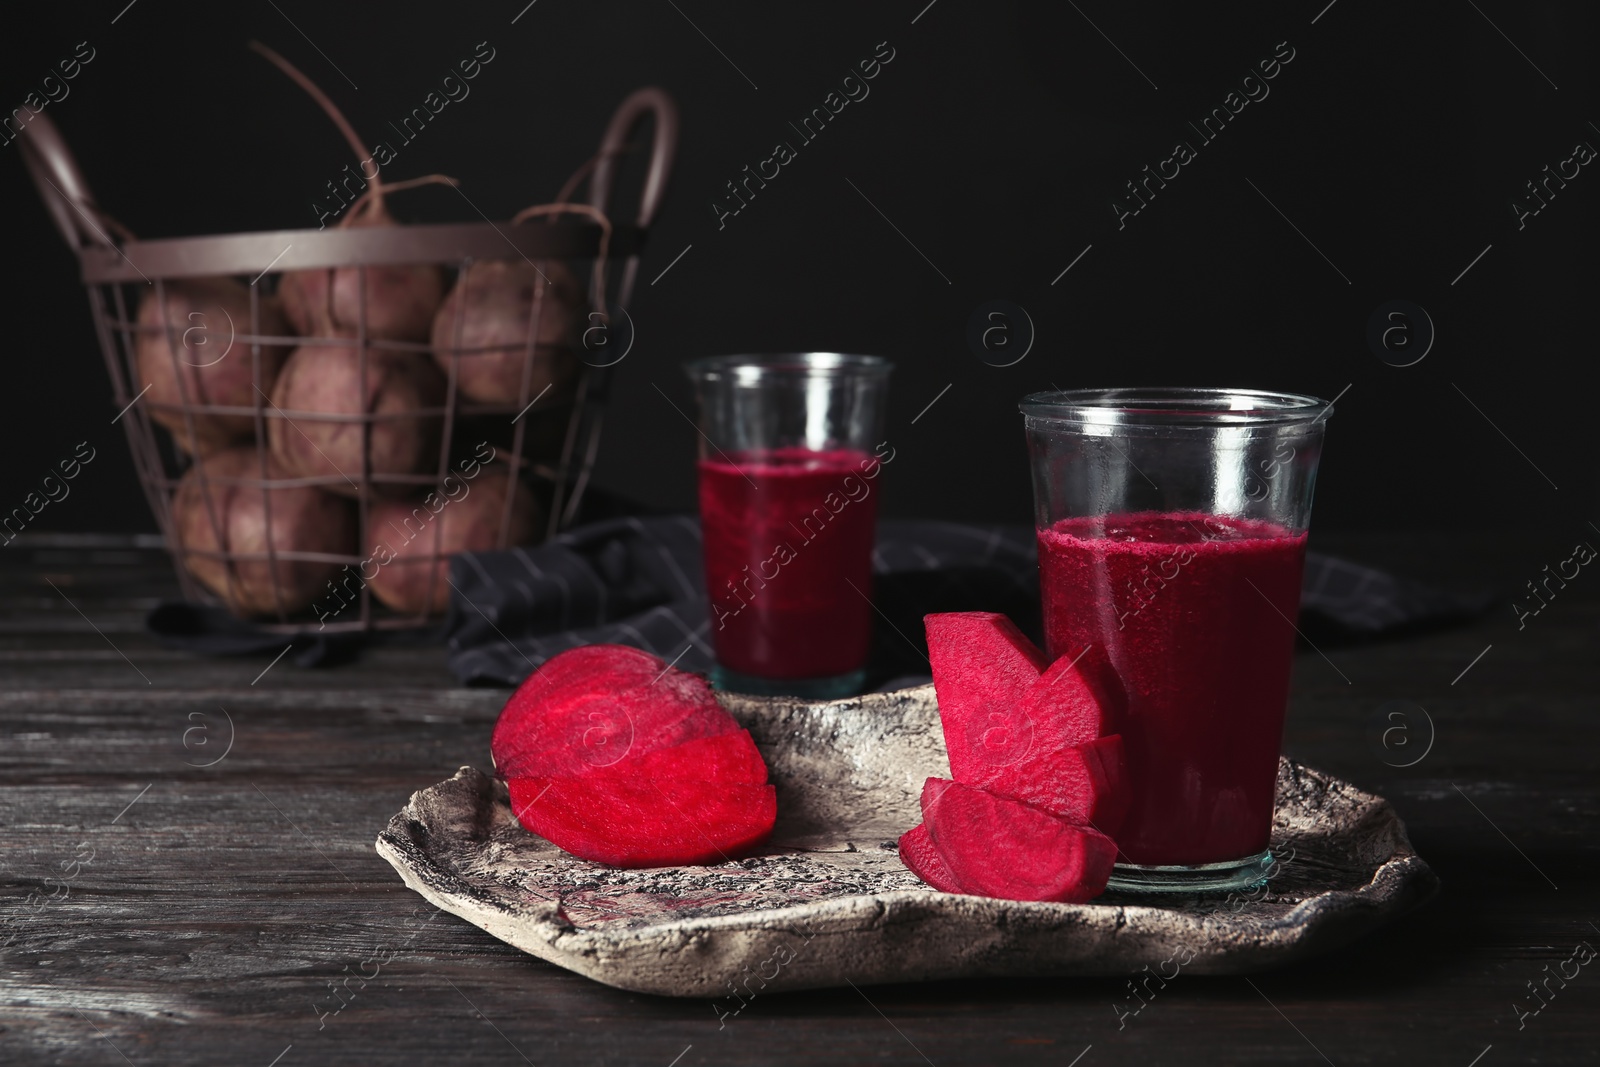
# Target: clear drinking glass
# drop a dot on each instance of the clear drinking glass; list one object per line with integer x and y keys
{"x": 788, "y": 509}
{"x": 1172, "y": 532}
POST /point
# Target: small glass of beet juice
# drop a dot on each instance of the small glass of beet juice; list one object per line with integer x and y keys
{"x": 1172, "y": 533}
{"x": 788, "y": 508}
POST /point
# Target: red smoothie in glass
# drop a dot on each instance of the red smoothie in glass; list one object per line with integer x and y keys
{"x": 1194, "y": 611}
{"x": 786, "y": 533}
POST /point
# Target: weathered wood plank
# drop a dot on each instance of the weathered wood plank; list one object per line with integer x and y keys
{"x": 221, "y": 910}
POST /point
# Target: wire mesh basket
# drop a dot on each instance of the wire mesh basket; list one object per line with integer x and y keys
{"x": 282, "y": 497}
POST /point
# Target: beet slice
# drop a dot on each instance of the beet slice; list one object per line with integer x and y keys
{"x": 998, "y": 847}
{"x": 598, "y": 706}
{"x": 983, "y": 670}
{"x": 1037, "y": 749}
{"x": 1085, "y": 784}
{"x": 635, "y": 822}
{"x": 923, "y": 860}
{"x": 932, "y": 790}
{"x": 1114, "y": 794}
{"x": 1077, "y": 699}
{"x": 1077, "y": 767}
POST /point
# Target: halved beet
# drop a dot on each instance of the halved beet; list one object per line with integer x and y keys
{"x": 998, "y": 847}
{"x": 983, "y": 670}
{"x": 598, "y": 706}
{"x": 729, "y": 758}
{"x": 923, "y": 860}
{"x": 645, "y": 822}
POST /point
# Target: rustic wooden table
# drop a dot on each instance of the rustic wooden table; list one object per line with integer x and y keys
{"x": 187, "y": 873}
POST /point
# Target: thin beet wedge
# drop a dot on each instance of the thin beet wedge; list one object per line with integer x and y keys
{"x": 1038, "y": 737}
{"x": 1069, "y": 766}
{"x": 1078, "y": 698}
{"x": 923, "y": 860}
{"x": 998, "y": 847}
{"x": 1085, "y": 784}
{"x": 983, "y": 670}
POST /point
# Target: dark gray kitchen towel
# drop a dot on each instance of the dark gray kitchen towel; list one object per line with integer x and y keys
{"x": 639, "y": 581}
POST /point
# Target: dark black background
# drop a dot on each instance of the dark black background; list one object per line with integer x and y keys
{"x": 995, "y": 140}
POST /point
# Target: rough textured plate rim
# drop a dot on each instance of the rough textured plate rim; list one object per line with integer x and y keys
{"x": 910, "y": 934}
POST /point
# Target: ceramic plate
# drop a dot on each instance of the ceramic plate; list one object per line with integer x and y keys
{"x": 828, "y": 901}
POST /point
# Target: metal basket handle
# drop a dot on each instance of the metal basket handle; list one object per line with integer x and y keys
{"x": 61, "y": 185}
{"x": 649, "y": 100}
{"x": 629, "y": 112}
{"x": 583, "y": 439}
{"x": 55, "y": 170}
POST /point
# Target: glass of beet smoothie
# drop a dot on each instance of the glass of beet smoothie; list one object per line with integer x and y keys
{"x": 1172, "y": 533}
{"x": 789, "y": 466}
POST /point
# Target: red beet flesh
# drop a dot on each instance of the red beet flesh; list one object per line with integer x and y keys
{"x": 997, "y": 847}
{"x": 728, "y": 759}
{"x": 923, "y": 860}
{"x": 1021, "y": 737}
{"x": 645, "y": 822}
{"x": 983, "y": 669}
{"x": 1084, "y": 784}
{"x": 618, "y": 758}
{"x": 601, "y": 706}
{"x": 1077, "y": 699}
{"x": 1040, "y": 775}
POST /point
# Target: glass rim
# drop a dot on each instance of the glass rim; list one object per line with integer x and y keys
{"x": 1173, "y": 406}
{"x": 753, "y": 367}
